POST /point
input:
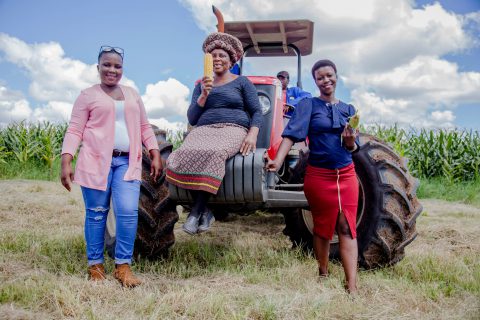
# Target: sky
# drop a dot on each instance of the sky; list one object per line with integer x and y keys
{"x": 405, "y": 62}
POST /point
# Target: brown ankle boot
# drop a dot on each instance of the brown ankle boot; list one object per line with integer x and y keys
{"x": 96, "y": 272}
{"x": 123, "y": 274}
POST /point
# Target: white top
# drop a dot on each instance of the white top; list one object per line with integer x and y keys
{"x": 122, "y": 142}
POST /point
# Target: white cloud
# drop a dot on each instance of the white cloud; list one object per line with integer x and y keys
{"x": 166, "y": 103}
{"x": 169, "y": 125}
{"x": 57, "y": 80}
{"x": 427, "y": 101}
{"x": 424, "y": 92}
{"x": 53, "y": 76}
{"x": 166, "y": 71}
{"x": 166, "y": 99}
{"x": 53, "y": 111}
{"x": 388, "y": 53}
{"x": 442, "y": 116}
{"x": 472, "y": 20}
{"x": 379, "y": 110}
{"x": 425, "y": 78}
{"x": 13, "y": 106}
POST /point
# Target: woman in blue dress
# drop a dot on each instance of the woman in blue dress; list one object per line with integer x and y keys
{"x": 330, "y": 184}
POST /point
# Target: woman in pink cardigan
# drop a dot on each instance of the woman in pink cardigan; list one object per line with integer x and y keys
{"x": 109, "y": 120}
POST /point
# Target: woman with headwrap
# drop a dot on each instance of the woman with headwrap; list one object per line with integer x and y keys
{"x": 226, "y": 114}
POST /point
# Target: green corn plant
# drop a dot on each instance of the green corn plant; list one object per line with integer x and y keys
{"x": 393, "y": 136}
{"x": 451, "y": 154}
{"x": 50, "y": 143}
{"x": 176, "y": 138}
{"x": 21, "y": 142}
{"x": 4, "y": 153}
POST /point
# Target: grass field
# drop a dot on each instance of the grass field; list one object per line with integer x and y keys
{"x": 242, "y": 269}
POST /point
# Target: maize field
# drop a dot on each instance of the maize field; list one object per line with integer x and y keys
{"x": 450, "y": 154}
{"x": 37, "y": 144}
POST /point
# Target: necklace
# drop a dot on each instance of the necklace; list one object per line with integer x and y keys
{"x": 331, "y": 104}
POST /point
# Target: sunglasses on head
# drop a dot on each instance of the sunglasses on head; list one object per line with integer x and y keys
{"x": 110, "y": 49}
{"x": 282, "y": 77}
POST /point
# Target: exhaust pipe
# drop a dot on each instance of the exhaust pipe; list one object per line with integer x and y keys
{"x": 220, "y": 21}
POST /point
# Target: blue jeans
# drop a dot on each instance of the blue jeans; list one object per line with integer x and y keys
{"x": 124, "y": 195}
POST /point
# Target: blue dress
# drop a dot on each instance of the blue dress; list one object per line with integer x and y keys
{"x": 330, "y": 183}
{"x": 323, "y": 124}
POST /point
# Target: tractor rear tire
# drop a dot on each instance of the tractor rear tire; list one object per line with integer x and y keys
{"x": 157, "y": 213}
{"x": 387, "y": 211}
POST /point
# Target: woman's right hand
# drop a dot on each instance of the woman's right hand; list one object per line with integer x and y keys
{"x": 272, "y": 165}
{"x": 275, "y": 164}
{"x": 207, "y": 85}
{"x": 66, "y": 175}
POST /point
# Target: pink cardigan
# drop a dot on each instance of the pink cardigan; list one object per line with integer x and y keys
{"x": 93, "y": 124}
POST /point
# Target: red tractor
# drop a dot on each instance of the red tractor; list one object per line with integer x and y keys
{"x": 388, "y": 206}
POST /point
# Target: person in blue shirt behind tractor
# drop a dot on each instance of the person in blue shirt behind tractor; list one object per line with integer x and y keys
{"x": 291, "y": 95}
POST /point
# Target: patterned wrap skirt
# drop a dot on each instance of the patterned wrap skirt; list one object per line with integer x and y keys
{"x": 329, "y": 192}
{"x": 199, "y": 163}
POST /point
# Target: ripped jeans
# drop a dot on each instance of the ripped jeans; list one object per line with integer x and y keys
{"x": 124, "y": 196}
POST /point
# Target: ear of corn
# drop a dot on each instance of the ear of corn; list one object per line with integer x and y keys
{"x": 354, "y": 121}
{"x": 208, "y": 65}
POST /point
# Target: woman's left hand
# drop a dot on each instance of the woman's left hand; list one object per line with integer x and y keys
{"x": 156, "y": 166}
{"x": 348, "y": 136}
{"x": 248, "y": 145}
{"x": 250, "y": 142}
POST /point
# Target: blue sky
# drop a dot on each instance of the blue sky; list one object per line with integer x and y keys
{"x": 412, "y": 62}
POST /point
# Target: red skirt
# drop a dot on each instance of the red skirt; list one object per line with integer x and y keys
{"x": 329, "y": 192}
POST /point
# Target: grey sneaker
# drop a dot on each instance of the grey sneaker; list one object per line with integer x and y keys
{"x": 206, "y": 220}
{"x": 191, "y": 225}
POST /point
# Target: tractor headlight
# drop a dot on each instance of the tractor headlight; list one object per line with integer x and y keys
{"x": 265, "y": 103}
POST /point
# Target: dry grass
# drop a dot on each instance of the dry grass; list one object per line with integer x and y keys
{"x": 242, "y": 269}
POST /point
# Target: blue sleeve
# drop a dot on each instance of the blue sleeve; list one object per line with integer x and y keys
{"x": 297, "y": 127}
{"x": 251, "y": 103}
{"x": 351, "y": 110}
{"x": 298, "y": 94}
{"x": 194, "y": 110}
{"x": 235, "y": 69}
